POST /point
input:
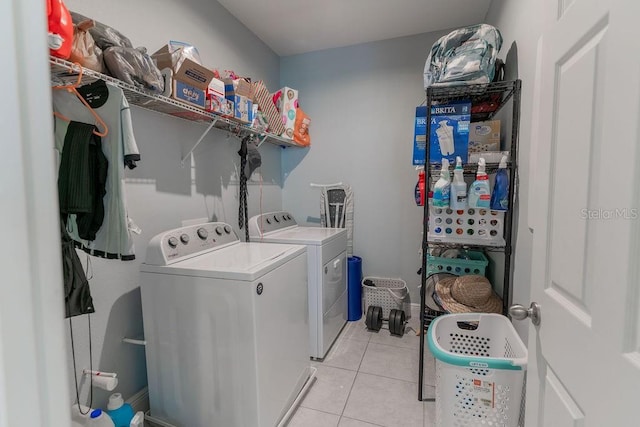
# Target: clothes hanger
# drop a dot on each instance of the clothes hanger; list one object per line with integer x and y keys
{"x": 73, "y": 89}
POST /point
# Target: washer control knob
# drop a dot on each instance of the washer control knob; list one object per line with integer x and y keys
{"x": 184, "y": 238}
{"x": 227, "y": 229}
{"x": 268, "y": 220}
{"x": 202, "y": 233}
{"x": 219, "y": 231}
{"x": 173, "y": 242}
{"x": 275, "y": 217}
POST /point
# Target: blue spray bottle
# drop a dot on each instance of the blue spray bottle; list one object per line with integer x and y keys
{"x": 500, "y": 196}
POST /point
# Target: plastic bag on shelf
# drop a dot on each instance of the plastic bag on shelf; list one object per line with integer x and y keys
{"x": 464, "y": 56}
{"x": 134, "y": 66}
{"x": 301, "y": 129}
{"x": 84, "y": 50}
{"x": 103, "y": 35}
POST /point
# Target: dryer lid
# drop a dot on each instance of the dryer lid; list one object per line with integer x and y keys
{"x": 303, "y": 235}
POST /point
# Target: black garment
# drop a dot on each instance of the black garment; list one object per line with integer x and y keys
{"x": 77, "y": 295}
{"x": 82, "y": 179}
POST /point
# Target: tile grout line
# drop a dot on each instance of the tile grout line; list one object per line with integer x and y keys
{"x": 354, "y": 381}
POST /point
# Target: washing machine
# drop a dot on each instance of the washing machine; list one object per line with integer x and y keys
{"x": 327, "y": 272}
{"x": 226, "y": 328}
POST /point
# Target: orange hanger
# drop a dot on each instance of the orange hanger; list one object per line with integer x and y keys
{"x": 72, "y": 89}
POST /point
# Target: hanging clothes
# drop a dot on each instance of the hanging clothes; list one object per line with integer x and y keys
{"x": 113, "y": 240}
{"x": 82, "y": 178}
{"x": 243, "y": 215}
{"x": 336, "y": 210}
{"x": 77, "y": 295}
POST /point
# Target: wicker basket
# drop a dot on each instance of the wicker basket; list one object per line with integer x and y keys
{"x": 387, "y": 293}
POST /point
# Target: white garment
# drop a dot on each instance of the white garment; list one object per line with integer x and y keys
{"x": 113, "y": 240}
{"x": 336, "y": 210}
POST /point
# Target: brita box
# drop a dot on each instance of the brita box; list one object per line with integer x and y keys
{"x": 449, "y": 132}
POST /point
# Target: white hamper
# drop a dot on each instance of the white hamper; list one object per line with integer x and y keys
{"x": 480, "y": 370}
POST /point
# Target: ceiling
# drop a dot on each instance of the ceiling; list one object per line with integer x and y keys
{"x": 291, "y": 27}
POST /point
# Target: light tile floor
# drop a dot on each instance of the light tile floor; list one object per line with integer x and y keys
{"x": 370, "y": 379}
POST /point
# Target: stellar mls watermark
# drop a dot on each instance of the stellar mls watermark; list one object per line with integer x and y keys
{"x": 606, "y": 214}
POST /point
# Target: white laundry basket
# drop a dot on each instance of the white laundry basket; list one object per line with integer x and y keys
{"x": 480, "y": 370}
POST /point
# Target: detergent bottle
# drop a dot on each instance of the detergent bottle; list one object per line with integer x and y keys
{"x": 480, "y": 190}
{"x": 458, "y": 196}
{"x": 500, "y": 196}
{"x": 442, "y": 187}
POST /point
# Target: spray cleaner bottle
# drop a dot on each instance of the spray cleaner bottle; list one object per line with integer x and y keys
{"x": 480, "y": 191}
{"x": 458, "y": 197}
{"x": 500, "y": 196}
{"x": 442, "y": 187}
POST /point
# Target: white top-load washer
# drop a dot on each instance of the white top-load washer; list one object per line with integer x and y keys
{"x": 327, "y": 272}
{"x": 226, "y": 327}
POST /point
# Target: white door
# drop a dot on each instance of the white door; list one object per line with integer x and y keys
{"x": 584, "y": 358}
{"x": 34, "y": 383}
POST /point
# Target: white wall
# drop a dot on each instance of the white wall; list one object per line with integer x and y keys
{"x": 521, "y": 25}
{"x": 159, "y": 192}
{"x": 361, "y": 100}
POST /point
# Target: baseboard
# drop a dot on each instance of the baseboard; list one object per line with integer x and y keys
{"x": 140, "y": 400}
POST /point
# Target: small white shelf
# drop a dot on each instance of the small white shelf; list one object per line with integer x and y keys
{"x": 65, "y": 72}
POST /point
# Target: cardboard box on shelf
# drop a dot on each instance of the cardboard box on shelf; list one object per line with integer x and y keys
{"x": 235, "y": 87}
{"x": 420, "y": 136}
{"x": 449, "y": 132}
{"x": 484, "y": 136}
{"x": 184, "y": 69}
{"x": 216, "y": 87}
{"x": 287, "y": 102}
{"x": 220, "y": 105}
{"x": 268, "y": 108}
{"x": 189, "y": 94}
{"x": 243, "y": 109}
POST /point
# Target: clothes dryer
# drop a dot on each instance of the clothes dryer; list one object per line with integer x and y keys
{"x": 327, "y": 272}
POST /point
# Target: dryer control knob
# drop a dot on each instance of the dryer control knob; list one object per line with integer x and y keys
{"x": 268, "y": 220}
{"x": 219, "y": 231}
{"x": 202, "y": 233}
{"x": 184, "y": 238}
{"x": 275, "y": 217}
{"x": 227, "y": 229}
{"x": 173, "y": 242}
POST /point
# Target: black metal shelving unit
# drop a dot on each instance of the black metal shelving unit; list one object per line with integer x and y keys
{"x": 499, "y": 94}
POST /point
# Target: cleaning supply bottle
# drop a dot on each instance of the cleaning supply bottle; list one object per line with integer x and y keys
{"x": 121, "y": 413}
{"x": 458, "y": 196}
{"x": 442, "y": 187}
{"x": 480, "y": 190}
{"x": 500, "y": 195}
{"x": 419, "y": 191}
{"x": 99, "y": 419}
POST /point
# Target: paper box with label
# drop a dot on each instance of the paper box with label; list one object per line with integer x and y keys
{"x": 243, "y": 109}
{"x": 184, "y": 69}
{"x": 484, "y": 136}
{"x": 220, "y": 104}
{"x": 189, "y": 94}
{"x": 449, "y": 132}
{"x": 420, "y": 136}
{"x": 286, "y": 100}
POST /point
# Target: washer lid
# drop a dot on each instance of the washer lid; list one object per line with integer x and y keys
{"x": 303, "y": 235}
{"x": 241, "y": 261}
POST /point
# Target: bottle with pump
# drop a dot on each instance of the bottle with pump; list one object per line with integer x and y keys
{"x": 480, "y": 190}
{"x": 442, "y": 187}
{"x": 500, "y": 195}
{"x": 458, "y": 195}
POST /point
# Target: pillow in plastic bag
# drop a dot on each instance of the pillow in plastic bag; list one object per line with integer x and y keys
{"x": 134, "y": 66}
{"x": 104, "y": 35}
{"x": 464, "y": 56}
